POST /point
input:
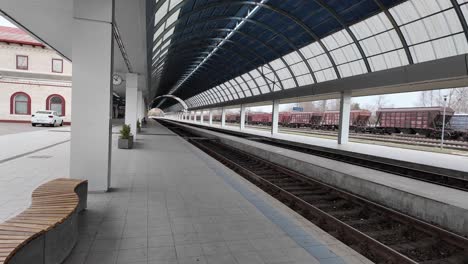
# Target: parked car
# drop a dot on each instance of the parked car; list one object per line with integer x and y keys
{"x": 46, "y": 118}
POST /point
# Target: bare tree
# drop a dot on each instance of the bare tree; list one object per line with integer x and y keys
{"x": 457, "y": 99}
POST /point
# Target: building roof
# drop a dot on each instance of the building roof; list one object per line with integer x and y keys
{"x": 213, "y": 53}
{"x": 18, "y": 36}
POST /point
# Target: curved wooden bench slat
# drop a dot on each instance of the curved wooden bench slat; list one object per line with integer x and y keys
{"x": 52, "y": 204}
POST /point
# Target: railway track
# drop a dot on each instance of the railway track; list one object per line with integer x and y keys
{"x": 404, "y": 171}
{"x": 379, "y": 233}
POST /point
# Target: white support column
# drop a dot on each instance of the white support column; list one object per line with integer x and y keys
{"x": 242, "y": 117}
{"x": 210, "y": 117}
{"x": 345, "y": 112}
{"x": 141, "y": 105}
{"x": 131, "y": 101}
{"x": 201, "y": 117}
{"x": 274, "y": 117}
{"x": 223, "y": 117}
{"x": 90, "y": 154}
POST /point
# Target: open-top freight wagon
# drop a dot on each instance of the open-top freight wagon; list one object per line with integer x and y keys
{"x": 259, "y": 119}
{"x": 358, "y": 120}
{"x": 303, "y": 119}
{"x": 233, "y": 118}
{"x": 426, "y": 121}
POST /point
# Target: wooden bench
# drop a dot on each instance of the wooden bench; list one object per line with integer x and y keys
{"x": 47, "y": 231}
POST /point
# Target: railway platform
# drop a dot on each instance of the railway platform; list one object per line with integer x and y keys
{"x": 172, "y": 203}
{"x": 432, "y": 203}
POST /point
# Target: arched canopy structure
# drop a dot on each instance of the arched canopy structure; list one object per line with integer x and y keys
{"x": 210, "y": 53}
{"x": 181, "y": 102}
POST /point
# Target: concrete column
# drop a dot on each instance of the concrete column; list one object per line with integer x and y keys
{"x": 274, "y": 117}
{"x": 131, "y": 101}
{"x": 90, "y": 153}
{"x": 345, "y": 112}
{"x": 210, "y": 117}
{"x": 141, "y": 105}
{"x": 242, "y": 117}
{"x": 223, "y": 117}
{"x": 201, "y": 117}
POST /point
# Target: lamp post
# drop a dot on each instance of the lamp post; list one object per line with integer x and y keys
{"x": 443, "y": 123}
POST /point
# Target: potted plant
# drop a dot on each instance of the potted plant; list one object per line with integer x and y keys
{"x": 138, "y": 126}
{"x": 125, "y": 138}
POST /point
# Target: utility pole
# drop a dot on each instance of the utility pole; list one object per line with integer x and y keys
{"x": 443, "y": 123}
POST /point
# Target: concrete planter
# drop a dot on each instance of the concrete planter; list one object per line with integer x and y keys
{"x": 126, "y": 143}
{"x": 138, "y": 129}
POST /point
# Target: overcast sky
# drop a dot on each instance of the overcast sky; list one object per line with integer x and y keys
{"x": 4, "y": 22}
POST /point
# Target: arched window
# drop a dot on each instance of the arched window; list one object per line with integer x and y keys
{"x": 20, "y": 104}
{"x": 56, "y": 103}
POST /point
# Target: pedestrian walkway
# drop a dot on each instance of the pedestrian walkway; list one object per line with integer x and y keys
{"x": 27, "y": 160}
{"x": 171, "y": 203}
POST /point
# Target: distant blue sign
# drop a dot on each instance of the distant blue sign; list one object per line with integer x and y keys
{"x": 298, "y": 109}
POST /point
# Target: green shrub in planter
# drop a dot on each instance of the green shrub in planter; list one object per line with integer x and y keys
{"x": 138, "y": 126}
{"x": 125, "y": 138}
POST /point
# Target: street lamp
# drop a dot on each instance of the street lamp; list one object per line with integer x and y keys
{"x": 443, "y": 123}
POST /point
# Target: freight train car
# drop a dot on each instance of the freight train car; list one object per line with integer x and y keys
{"x": 233, "y": 118}
{"x": 303, "y": 119}
{"x": 358, "y": 120}
{"x": 459, "y": 126}
{"x": 259, "y": 119}
{"x": 283, "y": 118}
{"x": 415, "y": 120}
{"x": 216, "y": 118}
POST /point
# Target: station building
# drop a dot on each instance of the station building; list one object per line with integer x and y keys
{"x": 32, "y": 77}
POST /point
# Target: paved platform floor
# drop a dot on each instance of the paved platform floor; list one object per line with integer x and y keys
{"x": 27, "y": 160}
{"x": 13, "y": 128}
{"x": 171, "y": 203}
{"x": 454, "y": 162}
{"x": 30, "y": 156}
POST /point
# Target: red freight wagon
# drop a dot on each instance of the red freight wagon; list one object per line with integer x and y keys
{"x": 216, "y": 118}
{"x": 358, "y": 118}
{"x": 259, "y": 118}
{"x": 283, "y": 118}
{"x": 422, "y": 120}
{"x": 316, "y": 119}
{"x": 233, "y": 118}
{"x": 304, "y": 119}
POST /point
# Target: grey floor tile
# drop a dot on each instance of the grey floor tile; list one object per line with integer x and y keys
{"x": 189, "y": 250}
{"x": 162, "y": 253}
{"x": 192, "y": 260}
{"x": 216, "y": 248}
{"x": 224, "y": 259}
{"x": 132, "y": 255}
{"x": 108, "y": 257}
{"x": 160, "y": 241}
{"x": 134, "y": 242}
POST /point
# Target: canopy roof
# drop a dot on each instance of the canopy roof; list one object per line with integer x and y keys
{"x": 212, "y": 52}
